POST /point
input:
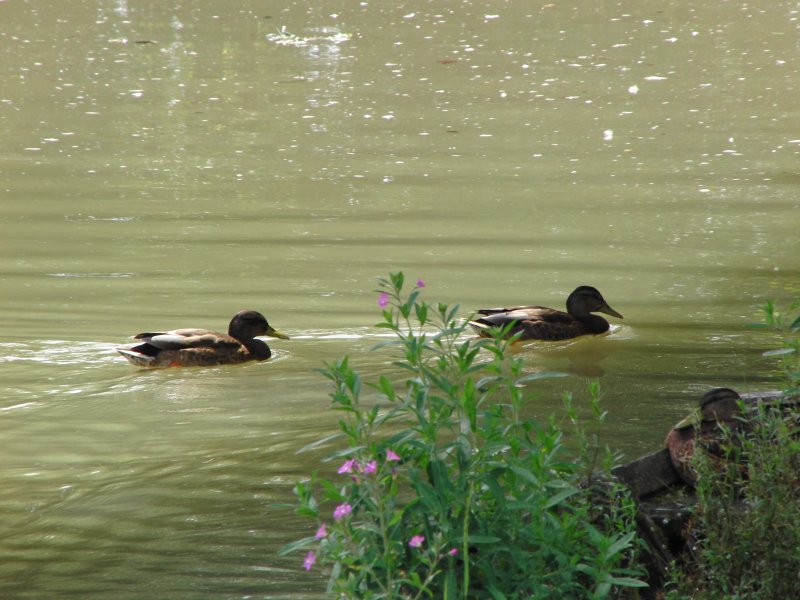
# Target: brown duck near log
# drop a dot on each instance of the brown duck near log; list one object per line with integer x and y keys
{"x": 720, "y": 410}
{"x": 542, "y": 323}
{"x": 202, "y": 347}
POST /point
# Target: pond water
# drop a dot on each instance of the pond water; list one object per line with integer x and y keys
{"x": 168, "y": 164}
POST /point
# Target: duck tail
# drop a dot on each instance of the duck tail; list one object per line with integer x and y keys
{"x": 481, "y": 329}
{"x": 136, "y": 358}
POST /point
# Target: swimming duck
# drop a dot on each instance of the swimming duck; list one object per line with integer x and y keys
{"x": 542, "y": 323}
{"x": 201, "y": 347}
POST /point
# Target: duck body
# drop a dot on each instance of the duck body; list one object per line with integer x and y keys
{"x": 549, "y": 324}
{"x": 203, "y": 347}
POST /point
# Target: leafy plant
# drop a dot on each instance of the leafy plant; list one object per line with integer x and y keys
{"x": 746, "y": 520}
{"x": 445, "y": 490}
{"x": 745, "y": 525}
{"x": 787, "y": 325}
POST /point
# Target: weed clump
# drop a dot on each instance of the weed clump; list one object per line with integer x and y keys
{"x": 445, "y": 490}
{"x": 745, "y": 530}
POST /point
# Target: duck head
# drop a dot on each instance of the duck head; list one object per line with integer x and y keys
{"x": 586, "y": 299}
{"x": 248, "y": 324}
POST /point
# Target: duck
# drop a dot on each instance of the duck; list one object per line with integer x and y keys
{"x": 720, "y": 410}
{"x": 202, "y": 347}
{"x": 542, "y": 323}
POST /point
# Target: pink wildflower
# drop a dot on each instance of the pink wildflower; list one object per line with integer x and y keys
{"x": 420, "y": 283}
{"x": 383, "y": 300}
{"x": 342, "y": 511}
{"x": 392, "y": 455}
{"x": 416, "y": 541}
{"x": 309, "y": 560}
{"x": 370, "y": 467}
{"x": 453, "y": 552}
{"x": 349, "y": 466}
{"x": 321, "y": 532}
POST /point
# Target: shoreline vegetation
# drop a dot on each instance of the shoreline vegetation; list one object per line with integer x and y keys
{"x": 443, "y": 488}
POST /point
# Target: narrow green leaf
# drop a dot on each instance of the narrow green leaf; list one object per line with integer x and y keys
{"x": 422, "y": 313}
{"x": 484, "y": 382}
{"x": 342, "y": 453}
{"x": 440, "y": 478}
{"x": 451, "y": 314}
{"x": 619, "y": 545}
{"x": 396, "y": 516}
{"x": 560, "y": 497}
{"x": 627, "y": 582}
{"x": 541, "y": 375}
{"x": 397, "y": 280}
{"x": 428, "y": 496}
{"x": 526, "y": 474}
{"x": 318, "y": 443}
{"x": 602, "y": 590}
{"x": 386, "y": 387}
{"x": 336, "y": 572}
{"x": 296, "y": 545}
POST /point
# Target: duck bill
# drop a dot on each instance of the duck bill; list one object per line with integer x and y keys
{"x": 609, "y": 311}
{"x": 272, "y": 332}
{"x": 691, "y": 420}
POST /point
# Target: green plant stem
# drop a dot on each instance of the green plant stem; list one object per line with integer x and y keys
{"x": 465, "y": 538}
{"x": 385, "y": 539}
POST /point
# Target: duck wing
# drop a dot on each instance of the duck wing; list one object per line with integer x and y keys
{"x": 531, "y": 322}
{"x": 502, "y": 316}
{"x": 182, "y": 339}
